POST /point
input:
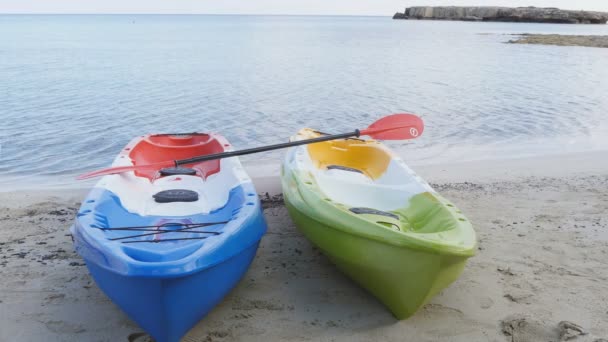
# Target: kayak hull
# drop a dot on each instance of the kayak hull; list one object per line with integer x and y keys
{"x": 376, "y": 220}
{"x": 167, "y": 308}
{"x": 402, "y": 279}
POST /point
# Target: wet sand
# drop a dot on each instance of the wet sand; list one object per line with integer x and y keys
{"x": 540, "y": 274}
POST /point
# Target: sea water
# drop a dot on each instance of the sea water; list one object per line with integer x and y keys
{"x": 74, "y": 89}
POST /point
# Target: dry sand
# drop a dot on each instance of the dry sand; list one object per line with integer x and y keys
{"x": 541, "y": 273}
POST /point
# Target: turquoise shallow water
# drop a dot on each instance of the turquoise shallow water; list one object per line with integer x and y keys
{"x": 74, "y": 89}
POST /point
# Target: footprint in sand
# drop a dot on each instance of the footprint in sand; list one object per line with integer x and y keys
{"x": 63, "y": 327}
{"x": 523, "y": 329}
{"x": 140, "y": 337}
{"x": 486, "y": 303}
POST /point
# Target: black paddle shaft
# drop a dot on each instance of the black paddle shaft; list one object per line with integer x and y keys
{"x": 355, "y": 133}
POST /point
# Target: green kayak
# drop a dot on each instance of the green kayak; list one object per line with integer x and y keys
{"x": 376, "y": 220}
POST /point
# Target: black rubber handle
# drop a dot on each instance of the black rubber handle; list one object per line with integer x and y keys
{"x": 373, "y": 212}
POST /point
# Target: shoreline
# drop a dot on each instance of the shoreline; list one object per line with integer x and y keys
{"x": 266, "y": 175}
{"x": 542, "y": 232}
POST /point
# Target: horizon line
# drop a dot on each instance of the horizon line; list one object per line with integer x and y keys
{"x": 217, "y": 14}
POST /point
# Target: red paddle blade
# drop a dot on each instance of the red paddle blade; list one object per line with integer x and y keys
{"x": 395, "y": 127}
{"x": 122, "y": 169}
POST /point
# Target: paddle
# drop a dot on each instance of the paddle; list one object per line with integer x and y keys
{"x": 391, "y": 127}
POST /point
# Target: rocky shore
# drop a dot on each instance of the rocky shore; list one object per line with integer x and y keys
{"x": 504, "y": 14}
{"x": 561, "y": 40}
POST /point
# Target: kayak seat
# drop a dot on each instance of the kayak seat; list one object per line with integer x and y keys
{"x": 174, "y": 171}
{"x": 364, "y": 156}
{"x": 162, "y": 147}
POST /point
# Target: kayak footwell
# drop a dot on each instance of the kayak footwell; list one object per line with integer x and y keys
{"x": 403, "y": 279}
{"x": 168, "y": 307}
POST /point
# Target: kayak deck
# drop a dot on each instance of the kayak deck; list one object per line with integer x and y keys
{"x": 154, "y": 238}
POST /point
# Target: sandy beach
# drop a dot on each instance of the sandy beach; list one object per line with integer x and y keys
{"x": 541, "y": 272}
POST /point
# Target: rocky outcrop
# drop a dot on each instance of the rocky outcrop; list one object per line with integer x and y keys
{"x": 561, "y": 40}
{"x": 508, "y": 14}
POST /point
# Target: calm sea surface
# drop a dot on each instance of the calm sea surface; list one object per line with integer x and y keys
{"x": 74, "y": 89}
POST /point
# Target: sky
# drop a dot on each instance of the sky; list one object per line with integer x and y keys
{"x": 297, "y": 7}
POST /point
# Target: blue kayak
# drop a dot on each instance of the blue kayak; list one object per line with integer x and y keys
{"x": 167, "y": 245}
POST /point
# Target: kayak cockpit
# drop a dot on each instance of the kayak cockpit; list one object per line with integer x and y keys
{"x": 162, "y": 147}
{"x": 359, "y": 173}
